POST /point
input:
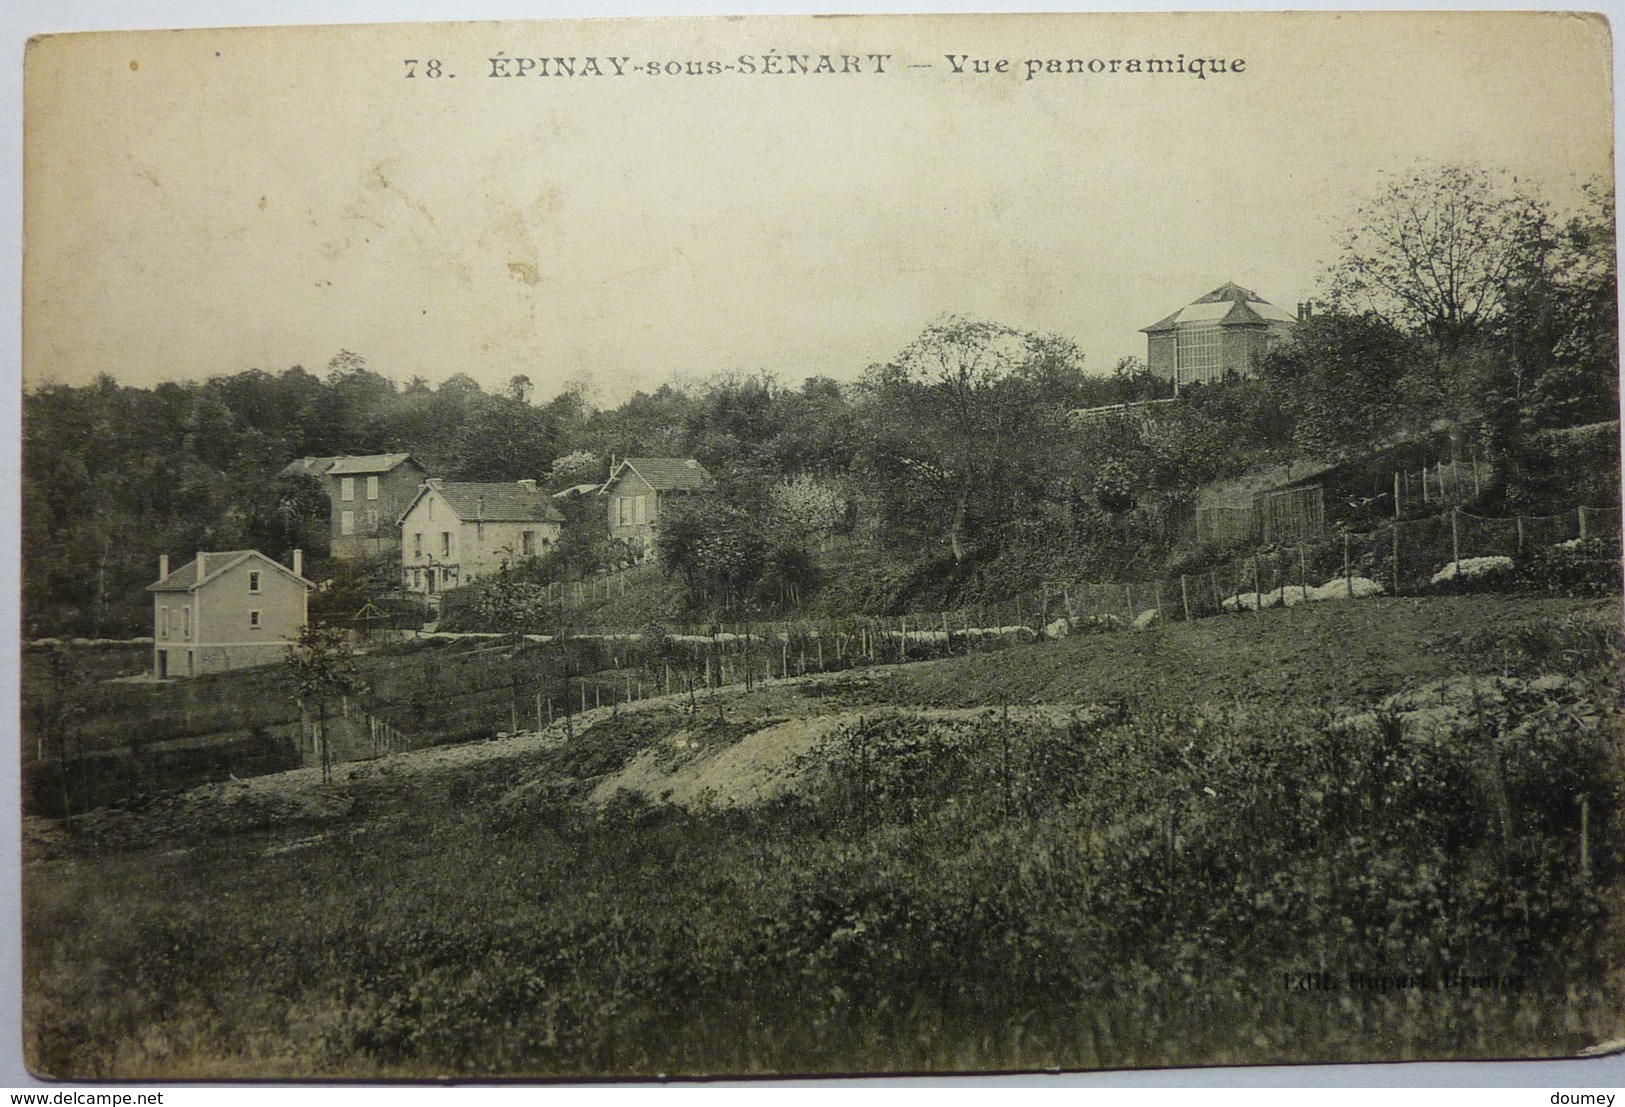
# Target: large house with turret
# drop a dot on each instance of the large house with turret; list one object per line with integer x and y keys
{"x": 1222, "y": 333}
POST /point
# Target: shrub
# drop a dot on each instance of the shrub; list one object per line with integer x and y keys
{"x": 1588, "y": 567}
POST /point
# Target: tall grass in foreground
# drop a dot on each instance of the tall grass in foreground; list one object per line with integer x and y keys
{"x": 1146, "y": 889}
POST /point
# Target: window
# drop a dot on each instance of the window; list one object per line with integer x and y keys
{"x": 253, "y": 620}
{"x": 417, "y": 544}
{"x": 527, "y": 543}
{"x": 254, "y": 581}
{"x": 445, "y": 543}
{"x": 372, "y": 488}
{"x": 346, "y": 488}
{"x": 417, "y": 578}
{"x": 186, "y": 621}
{"x": 1198, "y": 355}
{"x": 163, "y": 622}
{"x": 346, "y": 522}
{"x": 640, "y": 509}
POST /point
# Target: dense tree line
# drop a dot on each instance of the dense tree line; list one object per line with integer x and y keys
{"x": 1461, "y": 301}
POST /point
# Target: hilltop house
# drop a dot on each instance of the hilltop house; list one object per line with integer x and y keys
{"x": 1224, "y": 332}
{"x": 455, "y": 532}
{"x": 223, "y": 611}
{"x": 367, "y": 495}
{"x": 638, "y": 488}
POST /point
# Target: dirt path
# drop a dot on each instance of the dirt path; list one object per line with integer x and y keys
{"x": 770, "y": 761}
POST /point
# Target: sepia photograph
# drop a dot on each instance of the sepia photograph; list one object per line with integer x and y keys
{"x": 801, "y": 546}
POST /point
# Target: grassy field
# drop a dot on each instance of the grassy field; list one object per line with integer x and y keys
{"x": 1239, "y": 840}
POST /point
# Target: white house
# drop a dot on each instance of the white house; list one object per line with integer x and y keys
{"x": 223, "y": 611}
{"x": 456, "y": 532}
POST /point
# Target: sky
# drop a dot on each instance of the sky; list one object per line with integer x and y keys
{"x": 205, "y": 202}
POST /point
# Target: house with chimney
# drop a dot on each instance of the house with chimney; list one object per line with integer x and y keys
{"x": 455, "y": 532}
{"x": 226, "y": 610}
{"x": 1222, "y": 333}
{"x": 367, "y": 495}
{"x": 640, "y": 487}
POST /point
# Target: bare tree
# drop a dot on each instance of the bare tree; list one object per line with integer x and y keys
{"x": 1436, "y": 250}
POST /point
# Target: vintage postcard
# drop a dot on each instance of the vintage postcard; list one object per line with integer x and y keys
{"x": 797, "y": 546}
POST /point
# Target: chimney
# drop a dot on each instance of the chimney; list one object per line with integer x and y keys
{"x": 1306, "y": 310}
{"x": 299, "y": 563}
{"x": 163, "y": 566}
{"x": 528, "y": 485}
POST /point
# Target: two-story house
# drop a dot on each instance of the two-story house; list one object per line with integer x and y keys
{"x": 367, "y": 495}
{"x": 223, "y": 611}
{"x": 1222, "y": 333}
{"x": 639, "y": 487}
{"x": 455, "y": 532}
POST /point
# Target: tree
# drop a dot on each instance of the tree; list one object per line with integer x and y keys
{"x": 719, "y": 546}
{"x": 1342, "y": 381}
{"x": 1435, "y": 251}
{"x": 958, "y": 425}
{"x": 1562, "y": 330}
{"x": 323, "y": 668}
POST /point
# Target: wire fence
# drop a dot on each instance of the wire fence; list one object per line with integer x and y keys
{"x": 538, "y": 683}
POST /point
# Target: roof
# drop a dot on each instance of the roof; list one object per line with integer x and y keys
{"x": 346, "y": 465}
{"x": 1229, "y": 305}
{"x": 665, "y": 474}
{"x": 206, "y": 566}
{"x": 492, "y": 503}
{"x": 1239, "y": 491}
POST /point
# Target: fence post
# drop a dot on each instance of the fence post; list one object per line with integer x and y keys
{"x": 1455, "y": 538}
{"x": 1582, "y": 512}
{"x": 1303, "y": 572}
{"x": 1396, "y": 493}
{"x": 1213, "y": 579}
{"x": 1184, "y": 597}
{"x": 1585, "y": 833}
{"x": 1478, "y": 487}
{"x": 1395, "y": 565}
{"x": 1128, "y": 600}
{"x": 1258, "y": 585}
{"x": 1156, "y": 596}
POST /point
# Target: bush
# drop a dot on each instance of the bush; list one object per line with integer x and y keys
{"x": 1588, "y": 567}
